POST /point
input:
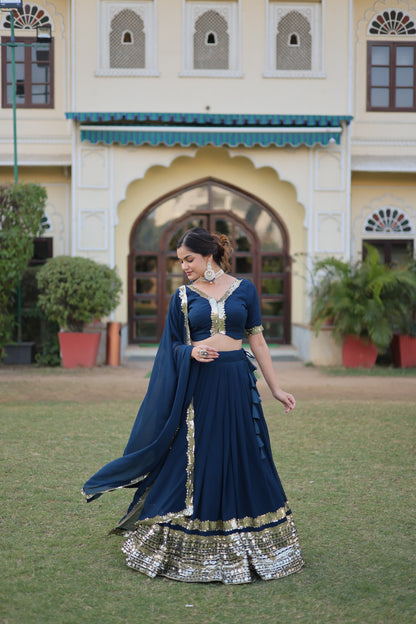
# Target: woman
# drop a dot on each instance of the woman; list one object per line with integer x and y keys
{"x": 209, "y": 505}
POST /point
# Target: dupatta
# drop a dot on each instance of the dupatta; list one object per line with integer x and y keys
{"x": 168, "y": 396}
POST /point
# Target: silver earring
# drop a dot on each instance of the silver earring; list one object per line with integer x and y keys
{"x": 209, "y": 274}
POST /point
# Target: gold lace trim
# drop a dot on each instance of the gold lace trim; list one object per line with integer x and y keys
{"x": 189, "y": 488}
{"x": 254, "y": 330}
{"x": 218, "y": 316}
{"x": 236, "y": 283}
{"x": 234, "y": 524}
{"x": 184, "y": 308}
{"x": 271, "y": 553}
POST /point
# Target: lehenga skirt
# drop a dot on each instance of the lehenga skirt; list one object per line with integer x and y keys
{"x": 217, "y": 510}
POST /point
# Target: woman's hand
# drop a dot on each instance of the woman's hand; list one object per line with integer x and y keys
{"x": 287, "y": 399}
{"x": 204, "y": 353}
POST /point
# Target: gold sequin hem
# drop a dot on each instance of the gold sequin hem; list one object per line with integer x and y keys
{"x": 240, "y": 557}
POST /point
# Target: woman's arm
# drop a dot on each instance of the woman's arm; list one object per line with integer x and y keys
{"x": 262, "y": 354}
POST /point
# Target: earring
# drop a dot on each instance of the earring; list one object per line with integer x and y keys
{"x": 209, "y": 274}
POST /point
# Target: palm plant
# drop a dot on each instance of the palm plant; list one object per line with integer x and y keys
{"x": 365, "y": 300}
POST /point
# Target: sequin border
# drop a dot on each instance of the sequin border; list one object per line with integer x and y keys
{"x": 184, "y": 308}
{"x": 218, "y": 316}
{"x": 258, "y": 329}
{"x": 232, "y": 558}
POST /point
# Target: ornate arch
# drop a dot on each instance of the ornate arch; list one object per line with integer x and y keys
{"x": 392, "y": 22}
{"x": 388, "y": 222}
{"x": 29, "y": 17}
{"x": 261, "y": 253}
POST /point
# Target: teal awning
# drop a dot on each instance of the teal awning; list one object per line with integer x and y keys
{"x": 207, "y": 119}
{"x": 219, "y": 137}
{"x": 209, "y": 129}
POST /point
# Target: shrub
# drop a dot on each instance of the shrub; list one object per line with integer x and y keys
{"x": 21, "y": 220}
{"x": 75, "y": 291}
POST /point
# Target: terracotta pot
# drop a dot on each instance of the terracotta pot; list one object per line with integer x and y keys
{"x": 358, "y": 353}
{"x": 79, "y": 348}
{"x": 403, "y": 351}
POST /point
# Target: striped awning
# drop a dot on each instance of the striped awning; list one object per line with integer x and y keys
{"x": 209, "y": 136}
{"x": 205, "y": 119}
{"x": 201, "y": 129}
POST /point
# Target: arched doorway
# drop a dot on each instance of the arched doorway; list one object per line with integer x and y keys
{"x": 258, "y": 237}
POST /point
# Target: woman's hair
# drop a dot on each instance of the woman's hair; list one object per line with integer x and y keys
{"x": 202, "y": 242}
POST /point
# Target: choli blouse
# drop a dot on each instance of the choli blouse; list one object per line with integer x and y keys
{"x": 235, "y": 314}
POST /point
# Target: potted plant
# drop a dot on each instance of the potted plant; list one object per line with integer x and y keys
{"x": 359, "y": 300}
{"x": 22, "y": 218}
{"x": 403, "y": 344}
{"x": 74, "y": 292}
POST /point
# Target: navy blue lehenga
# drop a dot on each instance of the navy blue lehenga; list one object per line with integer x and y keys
{"x": 209, "y": 504}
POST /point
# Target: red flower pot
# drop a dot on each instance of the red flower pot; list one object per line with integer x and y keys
{"x": 403, "y": 351}
{"x": 358, "y": 353}
{"x": 79, "y": 348}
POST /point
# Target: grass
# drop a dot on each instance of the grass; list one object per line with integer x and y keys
{"x": 347, "y": 469}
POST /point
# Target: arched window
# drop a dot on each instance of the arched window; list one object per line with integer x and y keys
{"x": 294, "y": 42}
{"x": 391, "y": 231}
{"x": 211, "y": 39}
{"x": 127, "y": 37}
{"x": 209, "y": 54}
{"x": 34, "y": 60}
{"x": 388, "y": 220}
{"x": 392, "y": 22}
{"x": 127, "y": 23}
{"x": 29, "y": 17}
{"x": 294, "y": 39}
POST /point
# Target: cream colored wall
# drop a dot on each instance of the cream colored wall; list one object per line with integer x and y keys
{"x": 43, "y": 135}
{"x": 251, "y": 93}
{"x": 383, "y": 141}
{"x": 57, "y": 183}
{"x": 372, "y": 191}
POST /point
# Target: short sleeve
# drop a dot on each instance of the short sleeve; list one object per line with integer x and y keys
{"x": 253, "y": 323}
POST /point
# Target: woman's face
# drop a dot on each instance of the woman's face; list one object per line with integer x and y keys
{"x": 193, "y": 264}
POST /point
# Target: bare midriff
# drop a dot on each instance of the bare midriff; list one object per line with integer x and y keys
{"x": 220, "y": 342}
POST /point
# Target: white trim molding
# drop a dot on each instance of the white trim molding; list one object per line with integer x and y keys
{"x": 323, "y": 216}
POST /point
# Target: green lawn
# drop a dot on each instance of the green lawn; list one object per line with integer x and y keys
{"x": 347, "y": 468}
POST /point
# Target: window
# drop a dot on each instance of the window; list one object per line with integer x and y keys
{"x": 390, "y": 230}
{"x": 42, "y": 250}
{"x": 391, "y": 251}
{"x": 389, "y": 220}
{"x": 211, "y": 39}
{"x": 127, "y": 39}
{"x": 293, "y": 39}
{"x": 392, "y": 22}
{"x": 34, "y": 73}
{"x": 127, "y": 50}
{"x": 391, "y": 76}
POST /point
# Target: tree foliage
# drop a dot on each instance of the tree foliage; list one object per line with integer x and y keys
{"x": 21, "y": 220}
{"x": 75, "y": 291}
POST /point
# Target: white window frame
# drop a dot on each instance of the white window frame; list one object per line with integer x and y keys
{"x": 231, "y": 11}
{"x": 315, "y": 12}
{"x": 107, "y": 9}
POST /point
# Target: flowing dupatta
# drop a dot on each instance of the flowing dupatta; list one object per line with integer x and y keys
{"x": 168, "y": 396}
